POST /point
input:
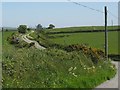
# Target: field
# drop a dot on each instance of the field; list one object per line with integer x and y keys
{"x": 51, "y": 68}
{"x": 68, "y": 29}
{"x": 95, "y": 40}
{"x": 0, "y": 37}
{"x": 0, "y": 46}
{"x": 68, "y": 36}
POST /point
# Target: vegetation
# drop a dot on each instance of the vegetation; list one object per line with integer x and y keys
{"x": 95, "y": 40}
{"x": 0, "y": 37}
{"x": 51, "y": 26}
{"x": 52, "y": 69}
{"x": 0, "y": 46}
{"x": 61, "y": 65}
{"x": 13, "y": 39}
{"x": 39, "y": 27}
{"x": 28, "y": 29}
{"x": 68, "y": 29}
{"x": 22, "y": 28}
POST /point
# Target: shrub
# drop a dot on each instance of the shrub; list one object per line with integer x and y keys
{"x": 31, "y": 44}
{"x": 22, "y": 28}
{"x": 28, "y": 29}
{"x": 51, "y": 26}
{"x": 13, "y": 39}
{"x": 93, "y": 53}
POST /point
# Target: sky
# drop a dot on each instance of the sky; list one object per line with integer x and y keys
{"x": 61, "y": 14}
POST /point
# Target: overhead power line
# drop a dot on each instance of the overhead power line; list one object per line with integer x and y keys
{"x": 113, "y": 15}
{"x": 93, "y": 8}
{"x": 86, "y": 6}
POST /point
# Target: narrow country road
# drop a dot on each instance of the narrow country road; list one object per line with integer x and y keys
{"x": 37, "y": 45}
{"x": 112, "y": 83}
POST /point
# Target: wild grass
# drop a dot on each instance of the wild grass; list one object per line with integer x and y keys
{"x": 51, "y": 68}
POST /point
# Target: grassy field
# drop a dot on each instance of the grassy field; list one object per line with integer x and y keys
{"x": 5, "y": 43}
{"x": 51, "y": 68}
{"x": 0, "y": 38}
{"x": 0, "y": 45}
{"x": 82, "y": 28}
{"x": 95, "y": 40}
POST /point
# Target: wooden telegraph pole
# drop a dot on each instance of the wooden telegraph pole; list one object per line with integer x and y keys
{"x": 112, "y": 24}
{"x": 106, "y": 34}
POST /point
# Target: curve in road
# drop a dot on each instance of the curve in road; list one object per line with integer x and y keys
{"x": 37, "y": 45}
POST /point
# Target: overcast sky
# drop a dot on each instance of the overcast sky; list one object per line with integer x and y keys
{"x": 61, "y": 14}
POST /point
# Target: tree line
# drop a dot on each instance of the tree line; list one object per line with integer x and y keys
{"x": 39, "y": 27}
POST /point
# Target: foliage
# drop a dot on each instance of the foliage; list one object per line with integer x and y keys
{"x": 0, "y": 38}
{"x": 93, "y": 53}
{"x": 1, "y": 46}
{"x": 95, "y": 39}
{"x": 28, "y": 29}
{"x": 42, "y": 40}
{"x": 39, "y": 27}
{"x": 13, "y": 39}
{"x": 51, "y": 26}
{"x": 6, "y": 30}
{"x": 22, "y": 28}
{"x": 52, "y": 68}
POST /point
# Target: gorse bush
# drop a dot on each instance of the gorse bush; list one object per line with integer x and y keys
{"x": 93, "y": 53}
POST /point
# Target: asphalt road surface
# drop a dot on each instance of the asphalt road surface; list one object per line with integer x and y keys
{"x": 112, "y": 83}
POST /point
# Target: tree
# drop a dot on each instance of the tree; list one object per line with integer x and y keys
{"x": 6, "y": 30}
{"x": 51, "y": 26}
{"x": 39, "y": 27}
{"x": 22, "y": 28}
{"x": 28, "y": 29}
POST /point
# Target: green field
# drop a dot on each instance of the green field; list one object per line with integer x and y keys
{"x": 0, "y": 38}
{"x": 95, "y": 40}
{"x": 51, "y": 68}
{"x": 83, "y": 28}
{"x": 0, "y": 45}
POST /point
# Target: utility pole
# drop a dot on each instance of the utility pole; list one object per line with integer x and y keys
{"x": 112, "y": 24}
{"x": 106, "y": 34}
{"x": 2, "y": 28}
